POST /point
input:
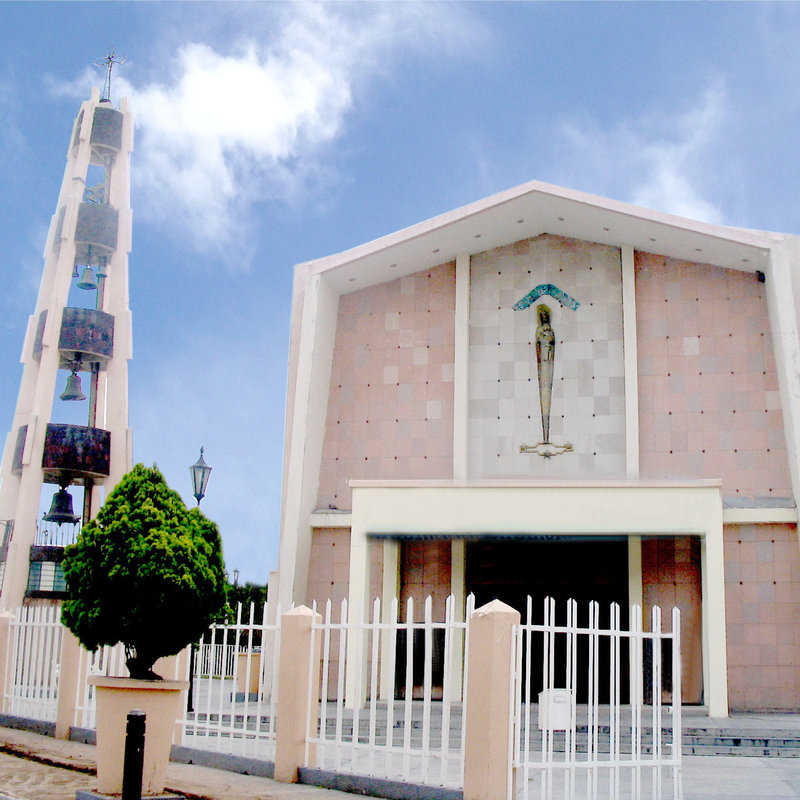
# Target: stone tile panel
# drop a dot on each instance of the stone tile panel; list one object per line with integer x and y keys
{"x": 588, "y": 400}
{"x": 762, "y": 602}
{"x": 708, "y": 391}
{"x": 390, "y": 407}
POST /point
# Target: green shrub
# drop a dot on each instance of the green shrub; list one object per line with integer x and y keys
{"x": 146, "y": 572}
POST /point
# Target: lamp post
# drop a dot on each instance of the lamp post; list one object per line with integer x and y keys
{"x": 200, "y": 472}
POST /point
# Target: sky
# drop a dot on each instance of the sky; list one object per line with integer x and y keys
{"x": 268, "y": 134}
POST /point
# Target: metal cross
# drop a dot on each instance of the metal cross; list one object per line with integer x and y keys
{"x": 108, "y": 62}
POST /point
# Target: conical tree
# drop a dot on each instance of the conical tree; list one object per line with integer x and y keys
{"x": 146, "y": 572}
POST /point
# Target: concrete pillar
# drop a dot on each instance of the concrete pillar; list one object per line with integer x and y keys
{"x": 5, "y": 659}
{"x": 635, "y": 588}
{"x": 461, "y": 370}
{"x": 458, "y": 590}
{"x": 298, "y": 669}
{"x": 68, "y": 676}
{"x": 243, "y": 685}
{"x": 629, "y": 337}
{"x": 715, "y": 662}
{"x": 487, "y": 746}
{"x": 390, "y": 590}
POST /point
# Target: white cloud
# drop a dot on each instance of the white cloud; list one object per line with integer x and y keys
{"x": 228, "y": 129}
{"x": 657, "y": 160}
{"x": 19, "y": 295}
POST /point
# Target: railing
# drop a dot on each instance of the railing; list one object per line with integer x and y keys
{"x": 412, "y": 741}
{"x": 590, "y": 704}
{"x": 602, "y": 748}
{"x": 215, "y": 660}
{"x": 33, "y": 650}
{"x": 234, "y": 690}
{"x": 51, "y": 534}
{"x": 106, "y": 660}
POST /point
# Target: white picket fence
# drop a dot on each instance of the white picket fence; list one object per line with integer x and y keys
{"x": 215, "y": 660}
{"x": 620, "y": 694}
{"x": 105, "y": 660}
{"x": 412, "y": 741}
{"x": 32, "y": 656}
{"x": 596, "y": 750}
{"x": 234, "y": 690}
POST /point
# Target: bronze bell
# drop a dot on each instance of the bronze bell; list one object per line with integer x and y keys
{"x": 61, "y": 508}
{"x": 73, "y": 390}
{"x": 87, "y": 280}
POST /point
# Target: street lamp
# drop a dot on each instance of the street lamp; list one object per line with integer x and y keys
{"x": 200, "y": 472}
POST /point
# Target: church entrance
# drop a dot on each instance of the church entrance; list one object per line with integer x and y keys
{"x": 563, "y": 568}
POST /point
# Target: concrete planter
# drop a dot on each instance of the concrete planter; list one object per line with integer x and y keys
{"x": 160, "y": 701}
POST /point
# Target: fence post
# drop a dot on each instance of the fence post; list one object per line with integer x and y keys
{"x": 68, "y": 668}
{"x": 487, "y": 745}
{"x": 6, "y": 646}
{"x": 298, "y": 690}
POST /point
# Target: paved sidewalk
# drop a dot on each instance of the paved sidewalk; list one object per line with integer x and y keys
{"x": 24, "y": 779}
{"x": 704, "y": 777}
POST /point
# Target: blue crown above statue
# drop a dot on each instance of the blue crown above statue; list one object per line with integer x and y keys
{"x": 549, "y": 289}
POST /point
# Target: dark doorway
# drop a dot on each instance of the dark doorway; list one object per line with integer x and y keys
{"x": 564, "y": 569}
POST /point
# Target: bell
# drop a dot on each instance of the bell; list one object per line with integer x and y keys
{"x": 61, "y": 509}
{"x": 87, "y": 280}
{"x": 73, "y": 390}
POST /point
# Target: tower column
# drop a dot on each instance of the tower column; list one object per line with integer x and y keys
{"x": 82, "y": 333}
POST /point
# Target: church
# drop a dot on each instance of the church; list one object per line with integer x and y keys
{"x": 549, "y": 393}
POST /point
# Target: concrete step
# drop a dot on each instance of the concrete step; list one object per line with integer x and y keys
{"x": 696, "y": 740}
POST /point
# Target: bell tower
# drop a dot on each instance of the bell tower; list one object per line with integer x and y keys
{"x": 79, "y": 338}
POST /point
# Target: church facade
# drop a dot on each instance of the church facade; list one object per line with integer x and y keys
{"x": 547, "y": 393}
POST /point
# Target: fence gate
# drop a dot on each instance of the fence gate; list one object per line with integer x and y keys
{"x": 32, "y": 656}
{"x": 232, "y": 703}
{"x": 596, "y": 710}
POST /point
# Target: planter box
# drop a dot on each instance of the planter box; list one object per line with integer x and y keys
{"x": 161, "y": 702}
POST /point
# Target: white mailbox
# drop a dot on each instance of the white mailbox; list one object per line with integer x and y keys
{"x": 555, "y": 709}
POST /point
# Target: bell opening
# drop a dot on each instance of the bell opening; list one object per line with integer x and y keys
{"x": 61, "y": 509}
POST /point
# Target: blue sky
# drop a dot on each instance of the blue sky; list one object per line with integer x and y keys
{"x": 269, "y": 134}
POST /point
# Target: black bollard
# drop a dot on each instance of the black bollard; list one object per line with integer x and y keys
{"x": 134, "y": 756}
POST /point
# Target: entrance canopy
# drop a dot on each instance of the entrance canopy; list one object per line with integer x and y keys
{"x": 425, "y": 509}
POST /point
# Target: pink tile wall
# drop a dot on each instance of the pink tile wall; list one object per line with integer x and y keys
{"x": 329, "y": 567}
{"x": 329, "y": 578}
{"x": 390, "y": 407}
{"x": 425, "y": 570}
{"x": 670, "y": 578}
{"x": 708, "y": 393}
{"x": 762, "y": 604}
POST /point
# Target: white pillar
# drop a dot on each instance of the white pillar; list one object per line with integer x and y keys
{"x": 783, "y": 289}
{"x": 635, "y": 589}
{"x": 458, "y": 590}
{"x": 390, "y": 591}
{"x": 461, "y": 371}
{"x": 357, "y": 605}
{"x": 312, "y": 385}
{"x": 715, "y": 660}
{"x": 631, "y": 363}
